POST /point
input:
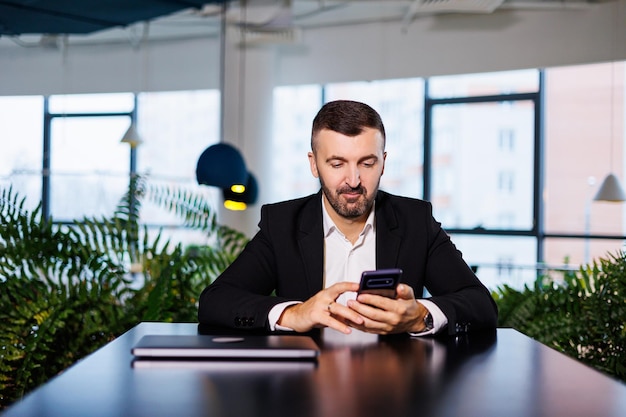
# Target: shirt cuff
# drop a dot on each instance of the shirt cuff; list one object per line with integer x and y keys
{"x": 439, "y": 319}
{"x": 275, "y": 314}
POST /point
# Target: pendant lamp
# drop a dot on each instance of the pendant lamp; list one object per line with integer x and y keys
{"x": 611, "y": 190}
{"x": 234, "y": 200}
{"x": 222, "y": 165}
{"x": 132, "y": 137}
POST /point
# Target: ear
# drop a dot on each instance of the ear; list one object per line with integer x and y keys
{"x": 313, "y": 165}
{"x": 384, "y": 159}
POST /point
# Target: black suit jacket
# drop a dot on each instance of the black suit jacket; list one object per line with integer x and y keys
{"x": 284, "y": 261}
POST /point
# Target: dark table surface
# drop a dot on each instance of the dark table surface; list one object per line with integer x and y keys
{"x": 494, "y": 374}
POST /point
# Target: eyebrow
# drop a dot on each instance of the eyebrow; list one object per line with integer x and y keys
{"x": 341, "y": 158}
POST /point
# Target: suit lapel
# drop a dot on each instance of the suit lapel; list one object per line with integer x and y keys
{"x": 388, "y": 233}
{"x": 311, "y": 243}
{"x": 311, "y": 238}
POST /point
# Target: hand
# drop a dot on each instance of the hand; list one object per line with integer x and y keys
{"x": 321, "y": 310}
{"x": 382, "y": 315}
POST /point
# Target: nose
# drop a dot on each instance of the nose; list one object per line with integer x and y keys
{"x": 354, "y": 177}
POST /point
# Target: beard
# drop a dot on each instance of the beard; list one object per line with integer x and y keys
{"x": 349, "y": 209}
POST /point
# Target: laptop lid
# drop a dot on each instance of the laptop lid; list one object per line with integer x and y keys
{"x": 214, "y": 346}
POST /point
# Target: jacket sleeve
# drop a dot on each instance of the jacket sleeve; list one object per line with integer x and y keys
{"x": 454, "y": 287}
{"x": 267, "y": 272}
{"x": 412, "y": 239}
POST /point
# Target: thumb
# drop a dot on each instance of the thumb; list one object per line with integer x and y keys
{"x": 405, "y": 292}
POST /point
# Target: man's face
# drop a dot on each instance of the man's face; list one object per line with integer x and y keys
{"x": 349, "y": 169}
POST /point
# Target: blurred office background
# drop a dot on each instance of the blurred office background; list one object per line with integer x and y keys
{"x": 508, "y": 120}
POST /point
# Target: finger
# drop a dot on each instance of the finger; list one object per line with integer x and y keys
{"x": 339, "y": 288}
{"x": 345, "y": 313}
{"x": 405, "y": 292}
{"x": 339, "y": 326}
{"x": 377, "y": 301}
{"x": 332, "y": 318}
{"x": 371, "y": 326}
{"x": 369, "y": 311}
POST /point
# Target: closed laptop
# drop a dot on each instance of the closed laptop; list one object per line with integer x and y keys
{"x": 215, "y": 347}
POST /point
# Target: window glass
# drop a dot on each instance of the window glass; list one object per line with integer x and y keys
{"x": 584, "y": 136}
{"x": 400, "y": 104}
{"x": 89, "y": 166}
{"x": 176, "y": 127}
{"x": 482, "y": 165}
{"x": 91, "y": 103}
{"x": 294, "y": 110}
{"x": 500, "y": 260}
{"x": 575, "y": 252}
{"x": 21, "y": 127}
{"x": 484, "y": 84}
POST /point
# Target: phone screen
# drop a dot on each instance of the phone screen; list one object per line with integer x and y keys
{"x": 380, "y": 282}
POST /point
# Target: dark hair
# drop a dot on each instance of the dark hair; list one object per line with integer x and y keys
{"x": 348, "y": 118}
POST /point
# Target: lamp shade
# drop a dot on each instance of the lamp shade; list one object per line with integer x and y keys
{"x": 132, "y": 137}
{"x": 610, "y": 190}
{"x": 239, "y": 201}
{"x": 221, "y": 165}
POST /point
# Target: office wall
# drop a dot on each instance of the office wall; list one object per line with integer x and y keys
{"x": 506, "y": 39}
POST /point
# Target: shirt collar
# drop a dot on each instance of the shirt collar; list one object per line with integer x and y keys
{"x": 329, "y": 225}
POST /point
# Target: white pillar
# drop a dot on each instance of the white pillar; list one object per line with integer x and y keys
{"x": 248, "y": 102}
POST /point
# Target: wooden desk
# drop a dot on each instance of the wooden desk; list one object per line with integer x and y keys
{"x": 505, "y": 374}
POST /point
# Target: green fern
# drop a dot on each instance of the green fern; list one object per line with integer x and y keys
{"x": 583, "y": 316}
{"x": 67, "y": 290}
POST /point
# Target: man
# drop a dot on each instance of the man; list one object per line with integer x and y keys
{"x": 301, "y": 270}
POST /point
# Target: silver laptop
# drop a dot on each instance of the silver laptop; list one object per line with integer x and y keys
{"x": 229, "y": 365}
{"x": 221, "y": 347}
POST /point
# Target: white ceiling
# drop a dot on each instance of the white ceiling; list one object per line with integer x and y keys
{"x": 287, "y": 17}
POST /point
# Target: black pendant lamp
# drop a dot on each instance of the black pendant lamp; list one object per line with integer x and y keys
{"x": 238, "y": 198}
{"x": 221, "y": 165}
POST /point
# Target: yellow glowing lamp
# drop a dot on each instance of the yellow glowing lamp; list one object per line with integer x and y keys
{"x": 237, "y": 197}
{"x": 237, "y": 188}
{"x": 235, "y": 205}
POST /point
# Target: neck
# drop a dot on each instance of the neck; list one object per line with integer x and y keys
{"x": 350, "y": 227}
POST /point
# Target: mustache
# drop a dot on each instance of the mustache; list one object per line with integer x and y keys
{"x": 358, "y": 190}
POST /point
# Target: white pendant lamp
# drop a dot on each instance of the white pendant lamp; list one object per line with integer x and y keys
{"x": 610, "y": 190}
{"x": 132, "y": 136}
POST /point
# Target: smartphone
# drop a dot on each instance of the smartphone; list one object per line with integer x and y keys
{"x": 380, "y": 282}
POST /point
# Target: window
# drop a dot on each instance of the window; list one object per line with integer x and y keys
{"x": 515, "y": 195}
{"x": 584, "y": 140}
{"x": 506, "y": 182}
{"x": 176, "y": 128}
{"x": 473, "y": 183}
{"x": 91, "y": 103}
{"x": 294, "y": 110}
{"x": 507, "y": 140}
{"x": 400, "y": 104}
{"x": 21, "y": 126}
{"x": 505, "y": 268}
{"x": 484, "y": 84}
{"x": 500, "y": 259}
{"x": 89, "y": 167}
